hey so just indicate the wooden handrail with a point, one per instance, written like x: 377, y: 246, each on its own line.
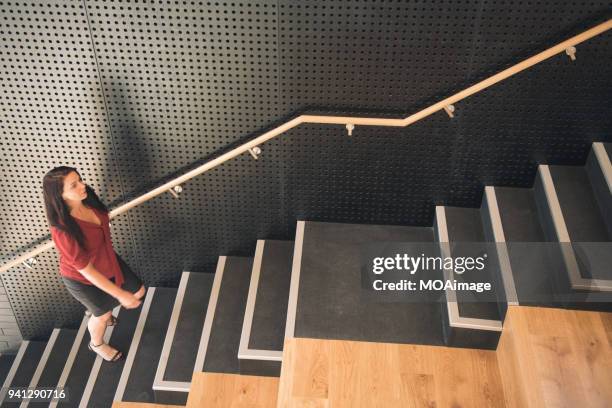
x: 340, y: 120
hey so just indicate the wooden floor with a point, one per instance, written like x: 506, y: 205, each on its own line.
x: 212, y: 390
x: 556, y: 358
x: 331, y: 373
x: 545, y: 358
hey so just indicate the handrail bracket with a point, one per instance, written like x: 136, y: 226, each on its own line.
x: 255, y: 152
x: 450, y: 110
x: 176, y: 190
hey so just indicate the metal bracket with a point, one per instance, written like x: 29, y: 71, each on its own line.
x: 175, y: 191
x: 571, y: 51
x: 255, y: 152
x: 30, y: 262
x: 450, y: 109
x: 350, y: 127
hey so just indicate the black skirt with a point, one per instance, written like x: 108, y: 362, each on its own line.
x: 96, y: 300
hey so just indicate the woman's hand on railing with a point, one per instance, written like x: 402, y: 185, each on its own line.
x: 128, y: 300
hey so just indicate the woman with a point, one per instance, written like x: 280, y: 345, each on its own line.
x: 90, y: 268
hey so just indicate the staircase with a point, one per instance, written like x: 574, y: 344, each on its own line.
x: 236, y: 321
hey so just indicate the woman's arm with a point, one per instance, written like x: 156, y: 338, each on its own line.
x: 91, y: 274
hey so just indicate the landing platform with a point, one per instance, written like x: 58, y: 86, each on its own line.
x: 331, y: 302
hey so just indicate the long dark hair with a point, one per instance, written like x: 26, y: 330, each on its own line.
x: 58, y: 212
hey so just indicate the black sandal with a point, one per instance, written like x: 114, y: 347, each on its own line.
x: 112, y: 321
x: 116, y: 357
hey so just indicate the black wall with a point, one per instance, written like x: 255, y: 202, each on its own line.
x: 131, y: 92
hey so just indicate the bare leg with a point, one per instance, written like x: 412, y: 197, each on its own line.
x: 97, y: 327
x: 140, y: 293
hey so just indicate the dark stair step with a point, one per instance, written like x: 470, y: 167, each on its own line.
x: 466, y: 234
x: 537, y: 263
x: 539, y: 276
x: 581, y: 213
x: 221, y: 334
x: 77, y: 368
x: 579, y: 227
x: 52, y: 364
x: 332, y: 294
x: 263, y: 330
x: 599, y: 171
x: 22, y: 369
x: 136, y: 383
x: 6, y: 361
x: 477, y: 320
x: 182, y: 339
x: 104, y: 376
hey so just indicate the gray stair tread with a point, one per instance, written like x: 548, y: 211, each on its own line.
x: 55, y: 362
x: 329, y: 303
x: 110, y: 373
x: 139, y: 387
x: 465, y: 232
x: 184, y: 350
x: 580, y: 210
x: 519, y: 214
x: 270, y: 312
x: 601, y: 191
x: 522, y: 225
x: 584, y: 220
x: 79, y: 373
x: 6, y: 361
x: 27, y: 367
x: 222, y: 350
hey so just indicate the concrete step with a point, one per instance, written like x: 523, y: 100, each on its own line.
x: 573, y: 219
x: 220, y: 340
x: 538, y: 276
x: 599, y: 171
x: 104, y: 376
x: 6, y: 361
x: 328, y: 298
x: 263, y: 329
x: 52, y: 362
x: 22, y: 370
x: 473, y: 319
x: 77, y: 368
x: 136, y: 381
x: 182, y: 340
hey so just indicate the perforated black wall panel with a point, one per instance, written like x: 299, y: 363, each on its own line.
x: 130, y: 92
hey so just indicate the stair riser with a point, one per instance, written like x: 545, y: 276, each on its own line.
x: 260, y: 367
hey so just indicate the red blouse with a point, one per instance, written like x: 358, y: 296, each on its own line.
x: 99, y: 251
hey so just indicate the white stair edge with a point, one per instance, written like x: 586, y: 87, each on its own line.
x: 159, y: 383
x: 262, y: 355
x: 295, y: 280
x: 249, y: 310
x: 569, y: 258
x: 93, y: 376
x: 210, y: 315
x: 14, y: 367
x: 129, y: 362
x: 454, y: 319
x: 244, y: 352
x: 501, y: 247
x: 71, y: 356
x: 604, y: 162
x: 42, y: 363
